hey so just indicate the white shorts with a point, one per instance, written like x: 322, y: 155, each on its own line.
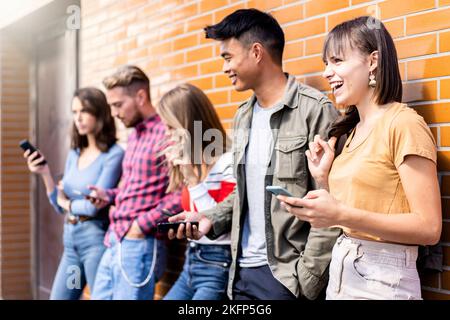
x: 362, y: 269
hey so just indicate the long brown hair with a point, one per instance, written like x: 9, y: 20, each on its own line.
x: 94, y: 102
x: 366, y: 34
x: 180, y: 108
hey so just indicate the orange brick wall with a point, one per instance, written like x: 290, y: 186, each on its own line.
x: 165, y: 38
x: 15, y: 230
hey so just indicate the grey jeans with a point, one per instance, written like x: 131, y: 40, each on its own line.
x: 362, y: 269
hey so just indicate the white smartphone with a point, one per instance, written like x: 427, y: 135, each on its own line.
x: 87, y: 196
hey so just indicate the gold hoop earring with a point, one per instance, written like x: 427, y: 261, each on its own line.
x: 372, y: 81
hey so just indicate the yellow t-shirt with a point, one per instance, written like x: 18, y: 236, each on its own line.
x: 366, y: 176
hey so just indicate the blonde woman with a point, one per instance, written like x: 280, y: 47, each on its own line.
x: 203, y: 169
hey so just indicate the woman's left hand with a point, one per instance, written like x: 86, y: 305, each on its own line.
x: 318, y: 207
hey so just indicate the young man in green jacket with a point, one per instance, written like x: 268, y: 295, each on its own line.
x: 275, y: 255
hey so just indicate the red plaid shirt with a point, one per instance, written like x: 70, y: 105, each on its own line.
x: 141, y: 193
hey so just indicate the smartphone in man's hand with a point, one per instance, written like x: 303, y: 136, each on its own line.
x: 164, y: 227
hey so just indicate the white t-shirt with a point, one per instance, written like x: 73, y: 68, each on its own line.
x: 257, y: 157
x: 220, y: 174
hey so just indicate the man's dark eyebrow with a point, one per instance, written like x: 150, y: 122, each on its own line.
x: 224, y: 54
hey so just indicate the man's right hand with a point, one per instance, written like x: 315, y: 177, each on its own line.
x: 190, y: 232
x: 98, y: 197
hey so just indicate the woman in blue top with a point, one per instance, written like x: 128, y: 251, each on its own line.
x: 94, y: 159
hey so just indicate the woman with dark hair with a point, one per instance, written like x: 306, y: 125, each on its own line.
x: 203, y: 170
x: 382, y: 189
x: 94, y: 159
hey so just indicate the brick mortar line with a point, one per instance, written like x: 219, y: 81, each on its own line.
x: 327, y: 14
x: 421, y: 103
x: 441, y: 8
x: 417, y: 35
x: 135, y: 9
x: 427, y: 56
x: 170, y: 40
x: 315, y: 55
x: 148, y: 31
x: 427, y: 79
x: 170, y: 55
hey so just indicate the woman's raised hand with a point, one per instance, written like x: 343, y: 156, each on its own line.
x: 320, y: 157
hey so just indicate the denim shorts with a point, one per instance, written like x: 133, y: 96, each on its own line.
x: 363, y: 269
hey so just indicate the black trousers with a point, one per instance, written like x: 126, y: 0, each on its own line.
x: 258, y: 283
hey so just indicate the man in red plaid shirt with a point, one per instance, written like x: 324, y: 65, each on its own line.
x: 134, y: 258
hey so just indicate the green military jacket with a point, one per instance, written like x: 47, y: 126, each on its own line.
x: 298, y: 255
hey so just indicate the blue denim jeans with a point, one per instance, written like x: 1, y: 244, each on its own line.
x: 204, y: 275
x: 83, y: 250
x: 127, y: 271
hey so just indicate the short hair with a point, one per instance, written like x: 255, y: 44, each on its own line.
x: 250, y: 26
x: 131, y: 78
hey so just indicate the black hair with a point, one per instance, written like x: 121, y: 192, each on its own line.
x: 250, y: 26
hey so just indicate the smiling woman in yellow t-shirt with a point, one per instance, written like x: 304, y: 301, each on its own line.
x: 382, y: 189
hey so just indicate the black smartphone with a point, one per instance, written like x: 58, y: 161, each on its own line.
x: 164, y: 227
x: 26, y: 145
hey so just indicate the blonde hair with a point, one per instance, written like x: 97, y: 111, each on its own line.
x: 180, y: 108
